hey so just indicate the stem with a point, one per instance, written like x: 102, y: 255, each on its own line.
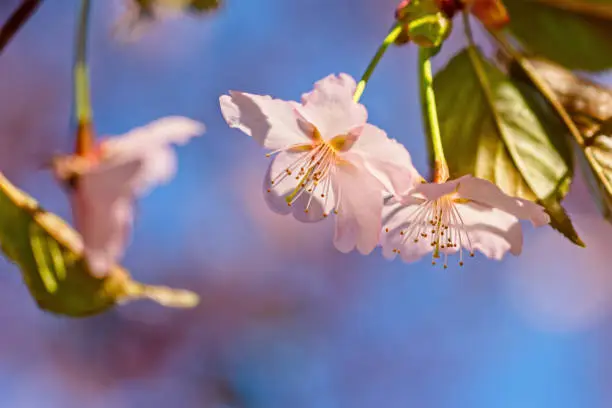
x: 391, y: 37
x: 430, y: 116
x: 17, y: 20
x: 82, y: 99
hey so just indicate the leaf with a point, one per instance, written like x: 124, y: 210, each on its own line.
x: 492, y: 131
x: 589, y: 107
x: 561, y: 220
x: 49, y: 255
x: 574, y: 33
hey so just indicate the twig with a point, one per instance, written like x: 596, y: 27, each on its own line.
x: 17, y: 20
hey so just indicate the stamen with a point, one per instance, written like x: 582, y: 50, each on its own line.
x: 440, y: 222
x: 313, y: 171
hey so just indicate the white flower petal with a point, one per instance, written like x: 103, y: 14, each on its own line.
x: 151, y: 144
x: 160, y: 133
x: 103, y: 212
x: 491, y: 231
x: 276, y: 194
x: 386, y: 159
x: 358, y: 221
x: 397, y: 217
x: 434, y: 191
x: 273, y: 123
x: 488, y: 194
x: 331, y: 108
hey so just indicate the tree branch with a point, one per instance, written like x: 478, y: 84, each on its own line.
x: 17, y: 20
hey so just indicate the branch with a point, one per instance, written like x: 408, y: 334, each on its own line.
x: 17, y: 20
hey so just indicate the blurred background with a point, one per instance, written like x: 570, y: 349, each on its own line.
x: 285, y: 320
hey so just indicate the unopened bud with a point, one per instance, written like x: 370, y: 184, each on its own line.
x: 430, y: 30
x: 450, y: 7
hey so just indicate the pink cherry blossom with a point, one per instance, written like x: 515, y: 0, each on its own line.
x: 327, y: 158
x: 107, y: 182
x: 138, y: 17
x: 462, y: 215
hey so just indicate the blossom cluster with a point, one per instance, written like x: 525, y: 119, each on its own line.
x: 327, y: 161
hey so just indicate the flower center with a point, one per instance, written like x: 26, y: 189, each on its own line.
x: 440, y: 224
x: 312, y: 169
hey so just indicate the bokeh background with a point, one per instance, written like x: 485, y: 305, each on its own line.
x: 285, y: 320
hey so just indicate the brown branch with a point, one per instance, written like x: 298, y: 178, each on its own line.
x: 17, y: 20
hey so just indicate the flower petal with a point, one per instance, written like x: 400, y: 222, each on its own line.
x: 387, y: 159
x: 160, y: 133
x: 103, y: 212
x: 273, y: 123
x: 331, y: 108
x: 434, y: 191
x: 151, y: 145
x: 396, y: 218
x: 276, y: 194
x: 487, y: 193
x: 358, y: 221
x: 491, y: 231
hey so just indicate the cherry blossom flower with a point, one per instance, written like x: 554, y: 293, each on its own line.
x: 327, y: 158
x: 106, y: 182
x: 462, y: 215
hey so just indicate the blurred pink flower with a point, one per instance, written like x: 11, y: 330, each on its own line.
x: 327, y: 158
x: 139, y: 15
x: 107, y: 182
x: 467, y: 213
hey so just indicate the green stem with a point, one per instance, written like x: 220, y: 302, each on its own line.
x: 82, y: 99
x: 391, y: 37
x: 81, y: 75
x: 430, y: 115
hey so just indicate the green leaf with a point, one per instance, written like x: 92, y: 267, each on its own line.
x: 588, y: 106
x: 574, y: 33
x: 494, y: 128
x: 560, y: 220
x: 49, y: 255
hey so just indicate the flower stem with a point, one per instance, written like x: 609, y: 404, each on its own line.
x: 17, y: 20
x: 82, y: 99
x: 391, y: 37
x: 430, y: 116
